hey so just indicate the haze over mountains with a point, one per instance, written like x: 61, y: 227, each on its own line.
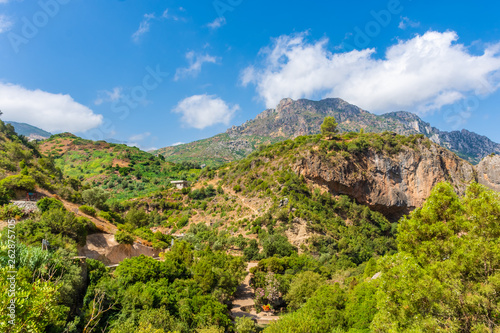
x: 303, y: 117
x: 29, y: 131
x: 293, y: 118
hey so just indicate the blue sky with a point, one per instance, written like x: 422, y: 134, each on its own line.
x: 156, y: 73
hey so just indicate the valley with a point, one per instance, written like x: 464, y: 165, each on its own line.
x: 284, y: 235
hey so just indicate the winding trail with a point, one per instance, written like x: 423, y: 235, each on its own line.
x: 244, y: 298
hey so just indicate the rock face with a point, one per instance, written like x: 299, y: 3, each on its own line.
x: 293, y: 118
x: 488, y: 172
x: 105, y: 248
x: 391, y: 184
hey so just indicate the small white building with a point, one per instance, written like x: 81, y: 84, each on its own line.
x: 180, y: 184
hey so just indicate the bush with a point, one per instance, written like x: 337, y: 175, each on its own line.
x: 47, y: 204
x: 277, y: 245
x: 302, y: 288
x: 10, y: 211
x: 137, y: 217
x: 88, y: 210
x: 5, y: 195
x: 111, y: 217
x: 245, y: 325
x: 124, y: 237
x: 252, y: 251
x: 96, y: 197
x: 18, y: 182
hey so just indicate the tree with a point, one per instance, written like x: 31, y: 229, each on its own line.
x: 329, y: 127
x: 96, y: 197
x: 302, y: 288
x: 446, y: 276
x: 123, y: 237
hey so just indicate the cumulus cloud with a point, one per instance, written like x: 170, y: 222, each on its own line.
x: 406, y: 22
x: 196, y: 61
x: 51, y: 112
x: 139, y: 137
x: 109, y: 96
x: 423, y: 73
x: 217, y: 23
x: 169, y: 16
x: 200, y: 111
x: 5, y: 23
x: 143, y: 27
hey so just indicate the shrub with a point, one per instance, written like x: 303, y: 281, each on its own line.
x: 88, y: 210
x: 96, y: 197
x: 124, y: 237
x: 47, y: 204
x: 111, y: 216
x: 183, y: 221
x: 302, y: 288
x: 137, y: 217
x: 277, y: 245
x: 245, y: 325
x: 5, y: 195
x: 18, y: 182
x: 10, y: 211
x: 252, y: 251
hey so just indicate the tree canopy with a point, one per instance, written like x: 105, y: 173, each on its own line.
x: 329, y: 127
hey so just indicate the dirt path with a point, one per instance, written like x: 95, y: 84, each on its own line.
x: 101, y: 224
x: 244, y: 298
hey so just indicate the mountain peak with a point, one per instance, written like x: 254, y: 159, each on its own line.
x: 293, y: 118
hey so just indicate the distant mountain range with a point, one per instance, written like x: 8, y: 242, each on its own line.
x: 304, y: 117
x: 29, y: 131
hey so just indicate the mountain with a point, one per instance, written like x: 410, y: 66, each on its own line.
x: 291, y: 119
x: 29, y: 131
x: 125, y: 172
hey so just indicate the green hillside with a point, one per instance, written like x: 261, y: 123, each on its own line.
x: 29, y: 130
x: 124, y: 172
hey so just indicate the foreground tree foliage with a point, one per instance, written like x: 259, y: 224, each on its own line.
x: 444, y: 278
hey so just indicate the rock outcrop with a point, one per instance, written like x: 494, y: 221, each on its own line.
x: 105, y: 248
x: 488, y: 172
x: 391, y: 184
x: 292, y: 118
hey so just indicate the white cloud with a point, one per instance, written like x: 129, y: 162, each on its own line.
x: 5, y: 23
x: 176, y: 144
x: 202, y: 111
x: 406, y: 22
x: 168, y: 16
x: 420, y: 74
x: 143, y: 27
x: 139, y: 137
x: 109, y: 96
x: 217, y: 23
x: 196, y: 61
x: 4, y: 1
x: 51, y: 112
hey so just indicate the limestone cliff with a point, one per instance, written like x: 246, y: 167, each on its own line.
x: 293, y: 118
x: 488, y: 172
x: 391, y: 184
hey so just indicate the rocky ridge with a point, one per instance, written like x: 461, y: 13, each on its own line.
x: 293, y: 118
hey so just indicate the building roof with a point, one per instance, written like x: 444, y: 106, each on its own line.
x: 178, y: 181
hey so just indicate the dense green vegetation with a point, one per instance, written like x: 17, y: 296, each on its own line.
x: 351, y: 269
x: 22, y: 168
x: 444, y: 277
x: 124, y: 172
